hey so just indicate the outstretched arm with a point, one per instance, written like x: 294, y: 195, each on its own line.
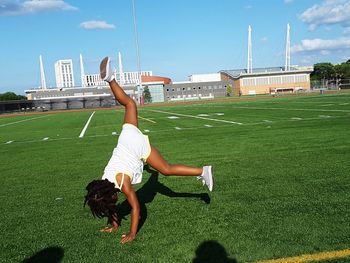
x: 129, y: 104
x: 135, y: 212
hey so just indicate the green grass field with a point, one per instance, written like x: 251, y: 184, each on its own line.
x: 282, y: 183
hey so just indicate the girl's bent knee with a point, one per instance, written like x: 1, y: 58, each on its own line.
x: 167, y: 170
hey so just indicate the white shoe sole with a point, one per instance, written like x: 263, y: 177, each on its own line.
x: 211, y: 178
x: 104, y: 67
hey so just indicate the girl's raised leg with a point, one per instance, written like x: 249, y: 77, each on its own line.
x: 129, y: 104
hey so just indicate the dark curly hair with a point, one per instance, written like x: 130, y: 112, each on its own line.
x: 101, y: 198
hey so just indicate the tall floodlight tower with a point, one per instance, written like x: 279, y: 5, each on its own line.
x: 287, y: 64
x: 121, y: 73
x: 250, y: 56
x: 42, y: 74
x: 82, y: 72
x: 139, y: 87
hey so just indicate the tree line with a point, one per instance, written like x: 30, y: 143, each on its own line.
x: 11, y: 96
x: 330, y: 72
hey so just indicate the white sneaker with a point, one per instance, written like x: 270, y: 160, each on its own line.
x: 207, y: 177
x: 106, y: 72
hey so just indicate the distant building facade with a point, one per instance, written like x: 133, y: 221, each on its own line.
x: 182, y: 91
x: 128, y: 78
x: 64, y: 73
x: 269, y: 80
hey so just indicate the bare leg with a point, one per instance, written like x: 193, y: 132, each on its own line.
x: 129, y: 104
x: 157, y: 161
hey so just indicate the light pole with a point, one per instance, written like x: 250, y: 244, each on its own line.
x: 139, y: 87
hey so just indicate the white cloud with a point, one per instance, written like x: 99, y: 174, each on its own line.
x: 264, y: 39
x: 329, y: 12
x: 14, y: 8
x: 96, y: 25
x: 321, y: 45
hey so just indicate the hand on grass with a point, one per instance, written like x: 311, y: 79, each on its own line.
x: 109, y: 229
x: 127, y: 238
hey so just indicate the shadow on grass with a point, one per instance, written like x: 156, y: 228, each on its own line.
x: 147, y: 193
x: 47, y: 255
x: 212, y: 252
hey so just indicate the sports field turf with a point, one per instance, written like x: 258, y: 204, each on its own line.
x: 282, y: 183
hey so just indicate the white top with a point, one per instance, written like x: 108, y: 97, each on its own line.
x: 132, y: 150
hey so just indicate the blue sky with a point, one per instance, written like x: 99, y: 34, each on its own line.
x: 176, y: 38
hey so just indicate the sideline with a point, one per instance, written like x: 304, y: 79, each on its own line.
x: 311, y: 257
x: 15, y: 122
x: 142, y: 118
x: 286, y: 109
x: 86, y: 126
x: 196, y: 117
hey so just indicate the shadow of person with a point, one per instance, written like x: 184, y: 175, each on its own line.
x: 212, y: 252
x: 147, y: 193
x: 47, y: 255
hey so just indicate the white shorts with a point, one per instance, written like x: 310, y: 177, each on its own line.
x: 132, y: 150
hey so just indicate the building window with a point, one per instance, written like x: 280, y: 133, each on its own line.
x: 167, y: 90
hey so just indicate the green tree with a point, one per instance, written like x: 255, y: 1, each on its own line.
x: 147, y: 95
x: 228, y: 90
x: 11, y: 96
x: 323, y: 71
x: 345, y: 69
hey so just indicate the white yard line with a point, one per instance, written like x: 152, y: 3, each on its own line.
x: 86, y: 126
x: 196, y: 117
x: 287, y: 109
x: 7, y: 124
x: 142, y: 118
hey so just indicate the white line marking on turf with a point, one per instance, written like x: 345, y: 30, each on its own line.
x: 114, y: 133
x: 324, y: 116
x: 207, y: 125
x: 173, y: 117
x: 146, y: 130
x: 196, y: 117
x: 287, y: 109
x: 9, y: 142
x: 142, y: 118
x: 296, y: 118
x: 203, y: 115
x: 183, y: 129
x: 342, y: 104
x: 86, y: 125
x: 220, y: 114
x: 177, y: 128
x: 6, y: 124
x: 45, y: 139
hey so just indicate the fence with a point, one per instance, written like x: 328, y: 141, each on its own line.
x: 56, y: 104
x: 330, y: 84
